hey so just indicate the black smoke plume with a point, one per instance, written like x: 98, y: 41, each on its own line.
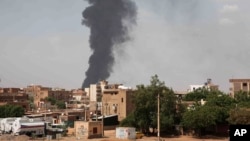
x: 109, y: 22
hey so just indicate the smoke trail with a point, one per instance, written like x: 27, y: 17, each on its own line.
x: 105, y: 18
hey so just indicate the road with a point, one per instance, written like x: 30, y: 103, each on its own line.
x: 109, y: 136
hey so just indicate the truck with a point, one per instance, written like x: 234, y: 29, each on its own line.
x: 28, y: 126
x: 0, y: 126
x: 6, y: 125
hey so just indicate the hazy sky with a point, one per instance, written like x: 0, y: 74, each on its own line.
x: 184, y: 42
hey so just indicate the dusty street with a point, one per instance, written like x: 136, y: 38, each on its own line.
x: 109, y: 136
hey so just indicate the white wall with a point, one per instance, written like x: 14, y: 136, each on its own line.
x: 92, y: 94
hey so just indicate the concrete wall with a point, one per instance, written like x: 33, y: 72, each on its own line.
x: 125, y: 133
x: 86, y: 130
x: 117, y: 101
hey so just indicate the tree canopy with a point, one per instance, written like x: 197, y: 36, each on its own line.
x: 243, y: 99
x: 215, y: 111
x: 196, y: 95
x: 145, y: 112
x: 219, y: 108
x: 58, y: 103
x: 11, y: 111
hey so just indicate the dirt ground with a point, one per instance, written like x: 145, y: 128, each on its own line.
x: 109, y: 136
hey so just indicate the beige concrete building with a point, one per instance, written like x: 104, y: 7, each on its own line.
x: 95, y: 96
x: 95, y: 91
x: 237, y: 85
x: 62, y: 95
x: 37, y: 92
x: 117, y: 99
x: 79, y: 99
x: 19, y: 99
x: 79, y: 95
x: 10, y: 90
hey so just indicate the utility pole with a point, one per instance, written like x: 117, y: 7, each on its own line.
x: 85, y: 113
x: 102, y: 120
x: 96, y: 110
x: 158, y: 116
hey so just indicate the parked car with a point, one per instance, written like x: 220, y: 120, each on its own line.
x: 139, y: 135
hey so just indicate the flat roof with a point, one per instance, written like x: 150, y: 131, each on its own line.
x: 239, y: 80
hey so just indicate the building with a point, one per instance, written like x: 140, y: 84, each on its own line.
x: 207, y: 85
x: 180, y: 94
x: 38, y: 93
x: 10, y: 90
x: 94, y: 94
x: 19, y: 99
x: 79, y: 100
x: 61, y: 95
x: 95, y: 91
x: 87, y: 130
x: 80, y: 96
x: 237, y: 85
x: 117, y: 100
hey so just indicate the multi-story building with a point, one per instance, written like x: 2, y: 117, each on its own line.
x: 61, y: 95
x: 94, y: 92
x: 78, y: 94
x: 81, y: 96
x: 110, y: 99
x: 38, y: 93
x: 117, y: 100
x: 15, y: 98
x: 239, y: 85
x: 10, y: 90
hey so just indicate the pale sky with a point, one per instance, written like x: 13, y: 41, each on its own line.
x: 184, y: 42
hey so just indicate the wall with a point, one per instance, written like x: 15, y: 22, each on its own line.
x: 117, y: 101
x: 125, y: 133
x: 86, y: 130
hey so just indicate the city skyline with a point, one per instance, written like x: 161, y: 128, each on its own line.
x: 43, y: 42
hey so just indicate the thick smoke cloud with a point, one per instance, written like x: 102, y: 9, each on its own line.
x: 187, y: 42
x: 106, y: 20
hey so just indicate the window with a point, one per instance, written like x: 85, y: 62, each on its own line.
x: 122, y: 99
x: 95, y: 130
x: 244, y: 84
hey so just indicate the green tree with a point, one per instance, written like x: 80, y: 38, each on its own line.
x: 31, y: 102
x: 145, y: 100
x: 197, y: 95
x: 51, y: 100
x: 60, y: 105
x: 243, y: 99
x: 11, y: 111
x: 242, y: 96
x: 215, y: 111
x: 129, y: 121
x: 199, y: 118
x: 223, y: 103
